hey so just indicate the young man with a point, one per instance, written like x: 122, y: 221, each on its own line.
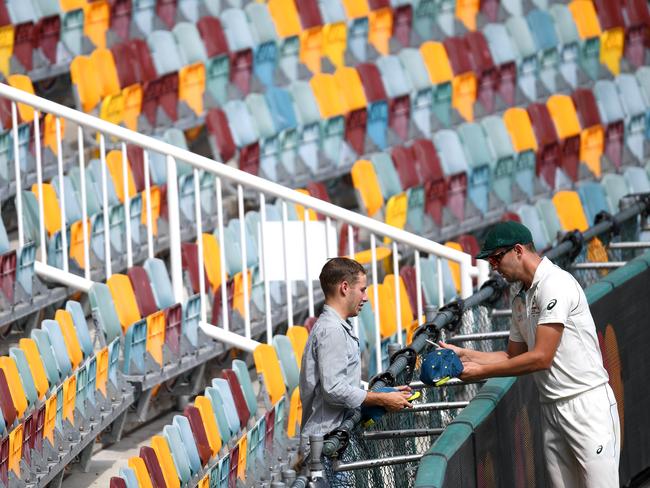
x: 330, y: 375
x: 553, y: 336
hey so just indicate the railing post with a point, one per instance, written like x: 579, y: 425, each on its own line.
x: 466, y: 287
x: 174, y: 230
x: 39, y: 182
x: 19, y: 186
x: 199, y: 243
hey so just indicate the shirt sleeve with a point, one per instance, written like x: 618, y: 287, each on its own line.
x: 515, y: 332
x: 556, y: 298
x: 333, y: 370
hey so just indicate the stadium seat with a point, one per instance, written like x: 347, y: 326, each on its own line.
x: 407, y: 317
x: 637, y: 179
x: 36, y: 367
x: 479, y: 164
x: 616, y: 188
x: 199, y: 430
x: 504, y: 54
x: 398, y: 87
x: 221, y: 417
x: 375, y: 92
x: 594, y: 200
x: 530, y: 218
x: 592, y: 134
x: 567, y: 127
x: 588, y: 25
x: 153, y: 466
x: 520, y: 128
x: 288, y: 363
x: 636, y: 111
x: 25, y: 375
x: 548, y: 149
x: 217, y: 66
x: 222, y: 387
x: 238, y: 397
x: 454, y: 165
x: 544, y: 32
x: 240, y: 42
x: 570, y: 211
x: 53, y: 330
x: 366, y: 184
x: 527, y: 62
x: 612, y: 116
x: 67, y: 326
x: 386, y: 174
x: 268, y: 367
x: 332, y: 107
x: 241, y: 370
x: 612, y: 37
x: 501, y: 156
x: 19, y: 400
x: 440, y: 72
x: 209, y: 422
x: 185, y: 431
x: 386, y: 306
x: 464, y: 82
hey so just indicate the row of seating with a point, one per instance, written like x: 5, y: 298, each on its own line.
x: 54, y: 387
x: 505, y: 156
x: 224, y: 435
x: 193, y: 61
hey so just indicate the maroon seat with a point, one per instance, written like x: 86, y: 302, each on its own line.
x: 150, y: 459
x: 355, y: 129
x: 234, y: 466
x: 166, y: 10
x: 309, y: 14
x: 198, y: 431
x: 190, y: 262
x: 403, y: 162
x: 637, y: 30
x: 548, y: 149
x: 487, y: 73
x: 144, y: 61
x: 470, y: 245
x: 4, y: 15
x: 610, y: 14
x: 490, y: 8
x: 214, y: 39
x: 510, y: 216
x: 318, y: 190
x: 407, y: 273
x: 173, y: 327
x: 24, y: 44
x: 373, y: 86
x: 241, y: 67
x: 377, y: 4
x: 426, y: 161
x: 403, y: 24
x: 117, y: 482
x: 143, y: 292
x: 238, y: 396
x: 121, y: 11
x: 344, y: 248
x: 8, y: 274
x: 216, y: 301
x: 219, y: 130
x: 4, y: 460
x: 6, y: 403
x: 269, y: 419
x: 570, y: 156
x: 310, y: 322
x: 29, y: 425
x: 435, y: 199
x: 36, y: 440
x: 456, y: 194
x: 399, y: 115
x: 169, y: 95
x: 135, y: 155
x: 249, y: 158
x: 126, y: 64
x: 46, y: 35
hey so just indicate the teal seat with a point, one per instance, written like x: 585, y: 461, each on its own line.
x: 72, y: 27
x: 616, y: 188
x: 143, y: 15
x: 637, y: 179
x: 31, y: 219
x: 241, y: 370
x: 531, y: 219
x: 479, y: 164
x: 549, y: 218
x: 268, y: 136
x: 422, y: 96
x: 161, y: 284
x: 424, y: 18
x: 368, y: 323
x: 265, y: 56
x: 502, y: 157
x: 387, y: 174
x: 135, y: 348
x: 179, y: 454
x: 635, y: 109
x: 309, y: 118
x: 232, y: 236
x: 288, y: 361
x: 81, y: 379
x: 191, y: 318
x: 190, y: 9
x: 527, y: 62
x: 593, y: 198
x: 569, y: 40
x: 101, y: 302
x: 430, y: 285
x: 165, y: 53
x: 26, y: 379
x: 544, y: 33
x: 91, y: 388
x: 219, y: 412
x: 415, y: 216
x: 129, y: 477
x: 53, y: 330
x: 72, y: 207
x: 21, y: 12
x: 501, y: 47
x: 4, y: 238
x: 47, y: 355
x: 454, y: 164
x: 183, y: 425
x: 237, y: 29
x: 513, y: 7
x: 81, y: 326
x: 643, y: 78
x: 285, y: 121
x: 189, y: 42
x: 113, y: 359
x: 229, y: 405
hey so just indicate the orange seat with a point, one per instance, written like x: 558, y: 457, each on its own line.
x: 124, y: 300
x: 380, y: 29
x: 115, y: 165
x: 191, y: 86
x: 24, y: 83
x: 97, y: 16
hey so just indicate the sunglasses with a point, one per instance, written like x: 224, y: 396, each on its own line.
x: 495, y: 259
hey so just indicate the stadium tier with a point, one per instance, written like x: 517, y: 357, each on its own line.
x: 174, y: 174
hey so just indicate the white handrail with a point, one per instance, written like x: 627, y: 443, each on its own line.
x: 250, y: 181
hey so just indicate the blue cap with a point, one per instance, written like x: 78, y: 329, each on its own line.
x: 370, y: 415
x: 440, y: 365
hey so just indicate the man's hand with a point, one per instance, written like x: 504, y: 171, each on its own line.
x: 406, y: 388
x: 460, y: 352
x: 471, y: 372
x: 396, y: 400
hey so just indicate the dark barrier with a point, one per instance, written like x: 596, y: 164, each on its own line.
x: 496, y: 440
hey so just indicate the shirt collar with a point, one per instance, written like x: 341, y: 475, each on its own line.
x: 542, y: 270
x: 330, y: 310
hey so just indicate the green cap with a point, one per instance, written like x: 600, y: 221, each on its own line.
x: 504, y: 234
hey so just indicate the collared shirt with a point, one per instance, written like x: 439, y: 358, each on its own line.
x: 330, y: 375
x: 555, y: 297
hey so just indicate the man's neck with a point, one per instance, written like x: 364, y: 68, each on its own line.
x: 530, y: 268
x: 338, y: 308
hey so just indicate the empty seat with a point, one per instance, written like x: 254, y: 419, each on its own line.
x: 268, y: 367
x: 501, y: 155
x: 612, y: 115
x: 504, y: 53
x: 454, y: 164
x: 567, y: 126
x: 288, y: 362
x: 377, y: 103
x: 570, y: 211
x: 592, y: 133
x: 594, y: 200
x: 464, y: 80
x: 520, y: 128
x: 398, y: 88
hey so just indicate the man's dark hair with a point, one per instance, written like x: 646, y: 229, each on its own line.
x: 338, y: 270
x: 530, y: 246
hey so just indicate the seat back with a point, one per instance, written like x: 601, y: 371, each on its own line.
x: 25, y: 374
x: 18, y: 397
x: 101, y: 302
x: 530, y: 218
x: 229, y: 404
x: 594, y: 200
x: 179, y: 454
x: 298, y: 336
x: 36, y: 367
x: 268, y: 366
x: 53, y: 330
x: 163, y: 454
x: 366, y: 183
x: 67, y: 326
x: 185, y: 431
x: 80, y: 326
x: 241, y: 370
x: 124, y: 300
x: 160, y: 283
x: 570, y: 211
x: 208, y: 420
x: 288, y: 362
x: 199, y: 430
x: 135, y: 348
x: 165, y: 53
x: 142, y: 288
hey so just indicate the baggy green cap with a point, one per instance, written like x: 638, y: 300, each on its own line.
x: 504, y: 234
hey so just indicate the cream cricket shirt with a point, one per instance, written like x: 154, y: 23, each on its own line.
x: 556, y: 297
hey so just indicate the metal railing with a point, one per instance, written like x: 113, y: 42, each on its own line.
x: 228, y: 182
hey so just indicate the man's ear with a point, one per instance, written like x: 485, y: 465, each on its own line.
x: 344, y: 287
